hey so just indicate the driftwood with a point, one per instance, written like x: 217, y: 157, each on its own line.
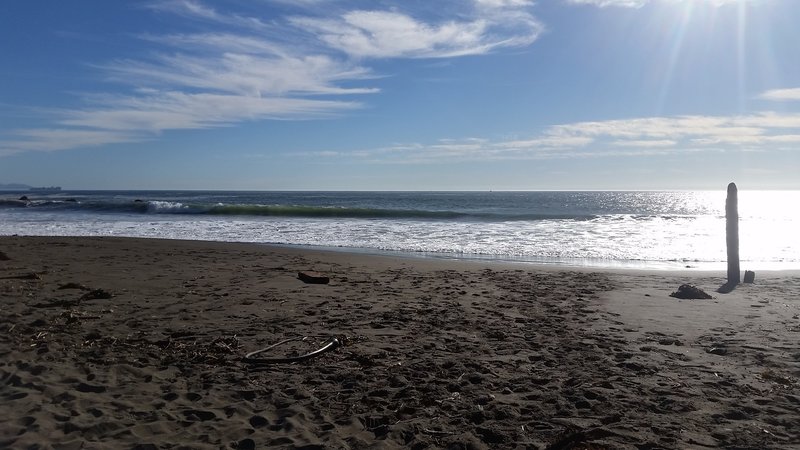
x: 331, y: 344
x: 732, y: 234
x: 313, y: 277
x: 749, y: 276
x: 27, y: 276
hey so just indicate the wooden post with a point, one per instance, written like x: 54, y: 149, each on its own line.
x: 732, y: 234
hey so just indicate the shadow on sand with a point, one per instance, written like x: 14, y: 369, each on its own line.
x: 727, y: 287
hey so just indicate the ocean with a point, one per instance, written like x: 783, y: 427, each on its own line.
x: 649, y: 230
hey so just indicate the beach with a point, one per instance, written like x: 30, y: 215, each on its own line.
x: 139, y: 343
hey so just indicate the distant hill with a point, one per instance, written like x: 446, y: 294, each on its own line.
x: 14, y: 187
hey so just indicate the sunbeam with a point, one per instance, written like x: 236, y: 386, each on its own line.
x: 676, y: 37
x: 741, y: 55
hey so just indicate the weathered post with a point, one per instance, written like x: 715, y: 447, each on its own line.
x: 732, y: 234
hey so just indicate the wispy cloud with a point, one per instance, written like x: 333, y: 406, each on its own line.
x: 611, y: 138
x: 255, y: 75
x: 641, y: 3
x: 179, y: 110
x: 246, y: 68
x: 606, y: 3
x: 196, y: 10
x: 47, y: 139
x: 143, y: 117
x: 646, y: 143
x: 391, y: 34
x: 503, y: 3
x: 792, y: 94
x: 752, y: 132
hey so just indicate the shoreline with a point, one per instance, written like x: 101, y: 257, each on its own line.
x: 124, y: 342
x: 581, y: 264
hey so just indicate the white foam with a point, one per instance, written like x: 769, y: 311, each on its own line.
x: 164, y: 207
x: 678, y: 239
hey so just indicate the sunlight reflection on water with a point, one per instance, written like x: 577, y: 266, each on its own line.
x: 667, y: 229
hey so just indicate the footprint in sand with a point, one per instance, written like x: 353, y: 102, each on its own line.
x: 83, y: 387
x: 258, y: 421
x: 246, y: 444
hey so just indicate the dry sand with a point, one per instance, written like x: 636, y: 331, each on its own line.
x: 129, y: 343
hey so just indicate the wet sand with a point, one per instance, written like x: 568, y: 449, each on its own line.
x: 132, y: 343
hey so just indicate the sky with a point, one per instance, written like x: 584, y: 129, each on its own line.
x: 402, y: 95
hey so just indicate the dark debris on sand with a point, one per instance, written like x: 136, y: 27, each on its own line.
x: 690, y: 292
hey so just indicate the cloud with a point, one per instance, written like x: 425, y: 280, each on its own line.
x: 196, y: 10
x: 606, y: 3
x: 503, y: 3
x: 769, y: 120
x: 121, y: 119
x: 662, y: 127
x: 635, y: 137
x: 256, y: 75
x: 646, y: 143
x: 754, y: 130
x: 302, y: 3
x: 792, y: 94
x: 51, y: 139
x: 641, y: 3
x: 244, y: 68
x: 178, y: 110
x: 392, y: 34
x: 761, y: 130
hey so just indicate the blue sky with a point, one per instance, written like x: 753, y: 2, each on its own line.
x: 404, y: 95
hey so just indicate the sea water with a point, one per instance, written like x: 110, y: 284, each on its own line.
x: 604, y: 229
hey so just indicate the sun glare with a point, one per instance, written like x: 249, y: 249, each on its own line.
x: 682, y: 22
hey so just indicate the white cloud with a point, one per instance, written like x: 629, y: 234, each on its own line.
x: 769, y: 120
x: 391, y: 34
x: 197, y: 10
x: 302, y: 2
x: 646, y: 143
x: 218, y: 41
x: 243, y: 68
x: 51, y: 139
x: 762, y: 130
x: 503, y: 3
x: 256, y: 75
x: 606, y: 3
x: 663, y: 127
x: 784, y: 139
x: 635, y: 137
x: 781, y: 94
x: 379, y: 34
x: 135, y: 119
x: 640, y: 3
x: 549, y: 142
x: 178, y: 110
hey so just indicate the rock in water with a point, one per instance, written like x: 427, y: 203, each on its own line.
x: 690, y: 291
